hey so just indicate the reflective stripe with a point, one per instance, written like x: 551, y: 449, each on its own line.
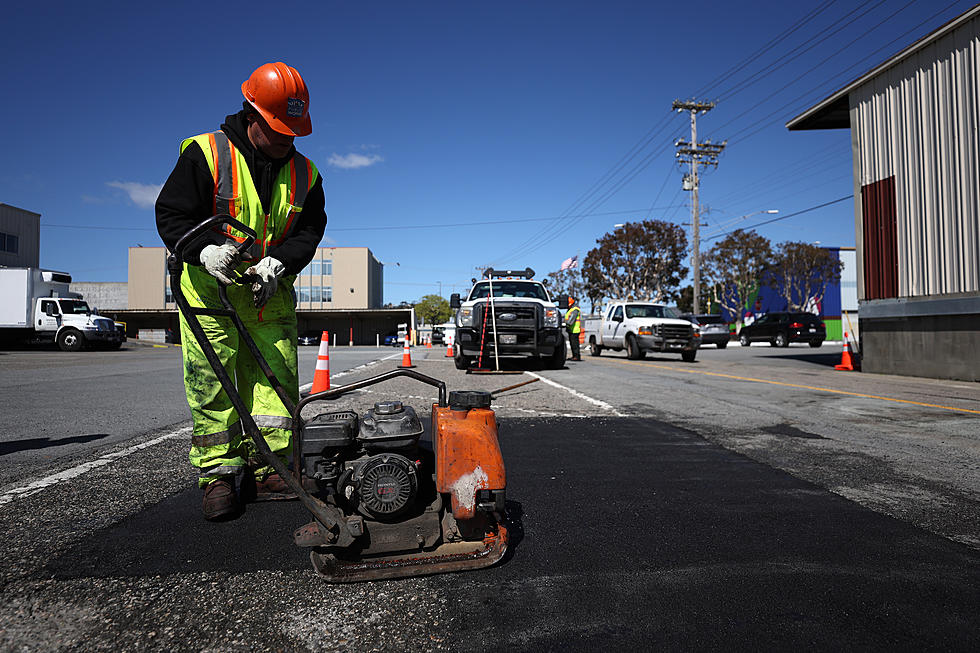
x: 323, y: 364
x: 224, y: 166
x: 273, y: 422
x: 299, y: 176
x: 220, y: 470
x: 219, y: 437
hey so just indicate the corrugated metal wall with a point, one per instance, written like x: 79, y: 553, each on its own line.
x: 918, y: 122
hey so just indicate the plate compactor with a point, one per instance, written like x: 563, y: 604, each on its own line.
x: 385, y: 502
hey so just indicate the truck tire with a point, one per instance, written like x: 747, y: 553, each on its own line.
x: 594, y: 349
x: 780, y: 340
x: 633, y: 351
x: 689, y: 356
x: 557, y: 360
x: 70, y: 340
x: 744, y: 341
x: 462, y: 362
x: 722, y: 345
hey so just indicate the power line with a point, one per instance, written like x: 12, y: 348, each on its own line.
x: 790, y: 215
x: 765, y: 48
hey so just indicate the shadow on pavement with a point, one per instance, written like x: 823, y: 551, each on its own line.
x: 13, y: 446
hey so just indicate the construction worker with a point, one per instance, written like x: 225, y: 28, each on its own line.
x: 573, y: 324
x: 250, y: 170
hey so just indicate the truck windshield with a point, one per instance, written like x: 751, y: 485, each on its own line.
x: 645, y: 310
x: 509, y: 289
x: 74, y: 307
x: 635, y: 310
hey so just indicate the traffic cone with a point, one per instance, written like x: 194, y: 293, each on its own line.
x: 845, y: 360
x: 321, y: 377
x: 449, y: 346
x: 406, y: 355
x: 428, y: 343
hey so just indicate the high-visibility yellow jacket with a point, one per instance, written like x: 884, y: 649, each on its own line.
x: 573, y: 319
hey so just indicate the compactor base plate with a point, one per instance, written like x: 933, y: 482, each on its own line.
x: 446, y: 558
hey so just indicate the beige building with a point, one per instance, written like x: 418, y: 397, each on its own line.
x: 337, y: 278
x: 340, y: 291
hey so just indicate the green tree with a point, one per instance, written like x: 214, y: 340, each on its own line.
x: 639, y: 260
x: 685, y: 299
x: 735, y: 267
x: 801, y: 271
x: 433, y: 309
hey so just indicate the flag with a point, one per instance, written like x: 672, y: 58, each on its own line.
x: 570, y: 263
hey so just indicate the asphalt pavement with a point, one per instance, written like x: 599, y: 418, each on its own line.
x: 639, y: 522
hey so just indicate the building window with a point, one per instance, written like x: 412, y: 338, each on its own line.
x: 315, y: 267
x: 317, y: 294
x: 168, y: 295
x: 8, y: 243
x: 328, y: 267
x: 328, y: 293
x: 304, y: 294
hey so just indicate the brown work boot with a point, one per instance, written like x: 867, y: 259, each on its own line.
x: 273, y: 488
x: 220, y: 501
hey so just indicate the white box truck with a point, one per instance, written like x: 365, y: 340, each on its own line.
x: 36, y: 306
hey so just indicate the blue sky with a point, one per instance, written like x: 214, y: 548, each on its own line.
x: 451, y: 135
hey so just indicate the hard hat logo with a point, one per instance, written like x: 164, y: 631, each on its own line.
x: 295, y: 107
x: 279, y: 94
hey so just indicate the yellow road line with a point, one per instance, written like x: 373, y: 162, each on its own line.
x: 796, y: 385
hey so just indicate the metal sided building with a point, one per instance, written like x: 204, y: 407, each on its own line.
x: 913, y: 122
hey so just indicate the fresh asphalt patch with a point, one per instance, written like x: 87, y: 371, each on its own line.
x: 629, y: 533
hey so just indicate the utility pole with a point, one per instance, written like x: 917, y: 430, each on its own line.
x: 696, y: 154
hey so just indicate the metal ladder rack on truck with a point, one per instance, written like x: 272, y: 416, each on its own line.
x: 36, y: 306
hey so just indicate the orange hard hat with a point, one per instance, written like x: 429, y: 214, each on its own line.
x: 280, y: 95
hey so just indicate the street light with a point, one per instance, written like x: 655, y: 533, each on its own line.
x: 722, y: 229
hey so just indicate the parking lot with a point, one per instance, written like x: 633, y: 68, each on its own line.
x: 754, y: 498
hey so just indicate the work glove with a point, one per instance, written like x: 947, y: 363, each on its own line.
x: 266, y: 275
x: 220, y: 262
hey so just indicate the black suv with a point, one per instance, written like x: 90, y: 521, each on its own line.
x: 780, y: 329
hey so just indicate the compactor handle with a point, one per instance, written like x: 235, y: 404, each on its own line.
x: 215, y: 221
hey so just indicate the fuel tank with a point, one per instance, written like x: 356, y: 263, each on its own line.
x: 469, y: 466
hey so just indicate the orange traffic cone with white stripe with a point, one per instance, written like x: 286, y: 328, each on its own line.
x: 428, y: 343
x: 449, y: 346
x: 406, y: 355
x: 846, y: 364
x: 321, y: 376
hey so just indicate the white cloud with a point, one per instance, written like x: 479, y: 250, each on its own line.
x: 353, y: 161
x: 142, y: 195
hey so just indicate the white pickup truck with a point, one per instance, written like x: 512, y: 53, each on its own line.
x: 639, y: 327
x: 36, y: 306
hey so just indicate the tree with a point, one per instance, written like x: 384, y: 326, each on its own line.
x: 801, y: 271
x: 433, y: 309
x: 685, y: 299
x: 562, y: 283
x: 735, y: 266
x: 639, y: 260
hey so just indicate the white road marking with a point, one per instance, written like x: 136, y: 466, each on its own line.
x: 595, y: 402
x: 74, y: 472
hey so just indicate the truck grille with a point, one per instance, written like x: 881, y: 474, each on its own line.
x: 673, y: 331
x: 509, y: 316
